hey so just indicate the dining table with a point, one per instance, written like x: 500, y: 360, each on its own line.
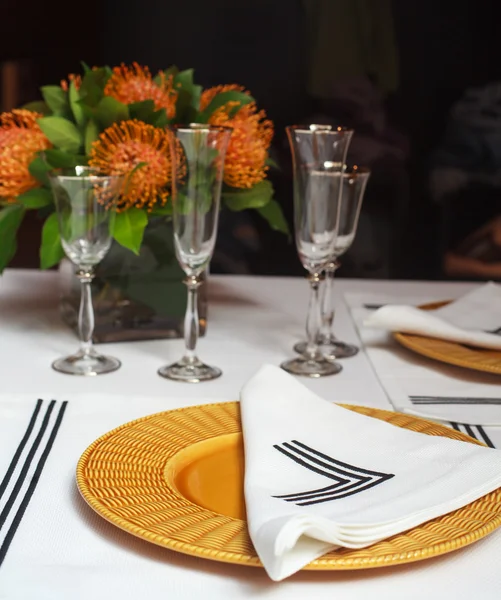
x: 53, y: 546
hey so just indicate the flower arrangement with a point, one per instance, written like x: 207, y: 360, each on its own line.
x: 116, y: 119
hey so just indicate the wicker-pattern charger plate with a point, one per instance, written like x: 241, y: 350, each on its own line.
x: 451, y: 353
x: 176, y: 479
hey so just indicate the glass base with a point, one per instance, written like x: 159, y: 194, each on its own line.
x: 190, y: 371
x: 307, y: 367
x: 331, y: 350
x: 87, y: 364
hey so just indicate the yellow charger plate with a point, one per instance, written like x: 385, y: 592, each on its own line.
x: 176, y: 479
x: 451, y: 353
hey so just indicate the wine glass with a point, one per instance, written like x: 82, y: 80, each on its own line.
x: 353, y: 190
x: 318, y: 158
x: 198, y: 161
x: 84, y: 205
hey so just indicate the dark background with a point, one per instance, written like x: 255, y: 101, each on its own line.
x: 442, y: 47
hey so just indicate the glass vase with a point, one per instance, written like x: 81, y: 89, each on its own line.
x: 135, y: 297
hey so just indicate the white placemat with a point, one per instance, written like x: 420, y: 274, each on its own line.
x: 407, y: 376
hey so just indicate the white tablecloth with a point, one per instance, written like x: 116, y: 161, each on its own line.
x: 251, y: 321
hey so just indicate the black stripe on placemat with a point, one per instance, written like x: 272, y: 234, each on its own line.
x: 484, y: 435
x: 470, y: 431
x: 34, y: 481
x: 455, y: 426
x: 20, y: 448
x: 26, y: 466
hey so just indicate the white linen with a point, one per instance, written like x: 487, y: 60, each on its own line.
x: 465, y: 320
x: 319, y: 476
x: 63, y: 550
x: 405, y: 374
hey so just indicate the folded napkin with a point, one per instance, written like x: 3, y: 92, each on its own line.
x: 417, y: 385
x: 318, y: 476
x: 466, y: 320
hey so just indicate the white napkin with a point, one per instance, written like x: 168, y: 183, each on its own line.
x: 454, y: 394
x: 318, y: 476
x: 465, y: 320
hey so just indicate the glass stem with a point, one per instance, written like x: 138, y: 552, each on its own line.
x: 191, y: 324
x: 86, y: 312
x: 326, y: 333
x: 313, y: 320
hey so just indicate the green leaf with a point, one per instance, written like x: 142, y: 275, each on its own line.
x: 184, y: 78
x: 160, y: 119
x: 88, y: 111
x: 188, y: 98
x: 59, y: 159
x: 62, y: 133
x: 85, y: 67
x: 76, y: 107
x: 271, y: 163
x: 91, y: 135
x: 35, y: 198
x: 222, y: 99
x: 111, y: 111
x: 167, y: 73
x: 10, y: 219
x: 56, y: 99
x: 255, y: 197
x: 187, y: 104
x: 129, y: 228
x: 93, y: 84
x: 272, y: 213
x: 143, y: 111
x: 38, y: 106
x: 51, y: 251
x: 39, y: 169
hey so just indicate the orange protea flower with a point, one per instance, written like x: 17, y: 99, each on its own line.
x: 135, y: 84
x: 20, y: 140
x: 209, y: 94
x: 123, y: 146
x: 250, y: 140
x: 77, y: 80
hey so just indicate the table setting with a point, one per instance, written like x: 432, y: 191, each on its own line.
x: 360, y: 460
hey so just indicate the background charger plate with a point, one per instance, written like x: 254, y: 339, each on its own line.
x: 451, y: 353
x: 176, y: 479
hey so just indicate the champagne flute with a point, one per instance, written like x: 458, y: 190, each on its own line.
x: 198, y: 155
x: 353, y: 190
x: 84, y: 205
x: 318, y: 157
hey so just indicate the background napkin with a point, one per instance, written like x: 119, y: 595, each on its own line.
x: 404, y: 374
x: 388, y: 479
x: 466, y: 320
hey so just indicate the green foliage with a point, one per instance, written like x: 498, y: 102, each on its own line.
x: 57, y: 100
x: 110, y: 111
x: 255, y: 197
x: 51, y: 251
x: 35, y: 198
x: 39, y: 168
x: 222, y: 99
x: 62, y: 133
x: 128, y: 228
x: 75, y: 105
x: 188, y: 98
x: 91, y: 135
x: 142, y: 111
x: 38, y: 106
x: 64, y: 160
x: 272, y: 213
x: 72, y: 121
x: 11, y: 217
